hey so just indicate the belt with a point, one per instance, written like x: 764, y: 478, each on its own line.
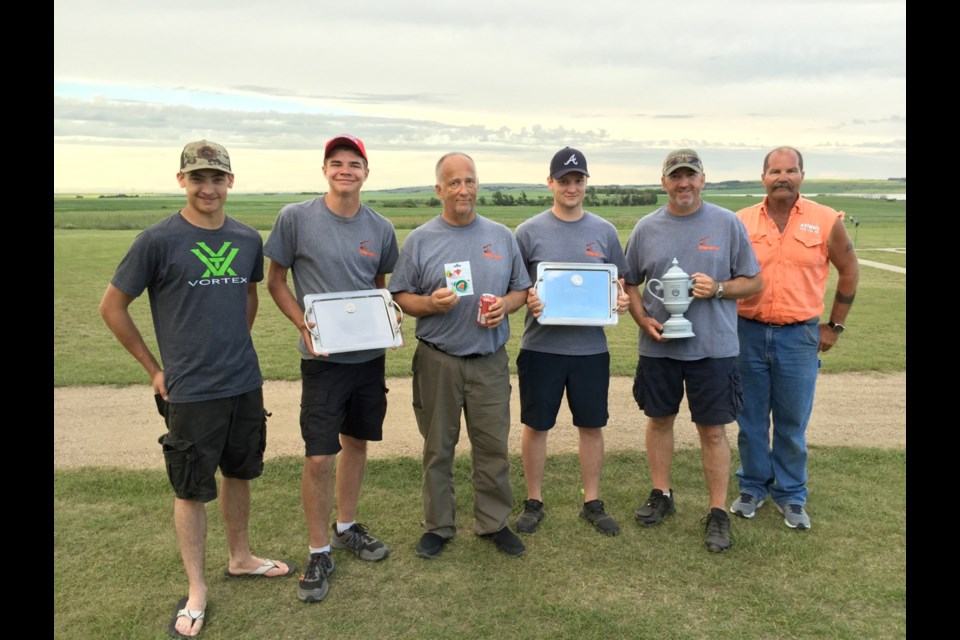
x: 468, y: 356
x: 786, y: 324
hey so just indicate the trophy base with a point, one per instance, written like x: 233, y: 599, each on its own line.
x: 677, y: 328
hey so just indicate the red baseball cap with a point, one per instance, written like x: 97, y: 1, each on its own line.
x: 345, y: 140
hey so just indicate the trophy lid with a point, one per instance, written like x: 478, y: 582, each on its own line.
x: 674, y: 273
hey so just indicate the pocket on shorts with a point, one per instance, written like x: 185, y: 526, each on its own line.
x: 385, y: 402
x: 638, y: 386
x: 263, y: 432
x: 180, y: 458
x: 161, y: 405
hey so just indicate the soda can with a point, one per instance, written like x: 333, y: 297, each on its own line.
x: 486, y: 300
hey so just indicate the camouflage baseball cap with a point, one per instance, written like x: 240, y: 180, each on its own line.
x: 682, y: 159
x: 204, y: 154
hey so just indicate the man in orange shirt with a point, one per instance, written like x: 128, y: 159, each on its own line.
x: 781, y: 335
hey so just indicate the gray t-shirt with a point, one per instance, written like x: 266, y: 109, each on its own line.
x: 328, y: 253
x: 712, y: 240
x: 547, y: 238
x: 197, y: 281
x: 495, y: 266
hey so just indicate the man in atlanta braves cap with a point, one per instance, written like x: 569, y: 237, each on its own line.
x: 334, y: 243
x: 567, y: 160
x: 558, y: 359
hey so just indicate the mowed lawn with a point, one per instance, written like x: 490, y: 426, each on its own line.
x: 117, y: 571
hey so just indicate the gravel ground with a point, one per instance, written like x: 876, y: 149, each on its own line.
x: 119, y: 426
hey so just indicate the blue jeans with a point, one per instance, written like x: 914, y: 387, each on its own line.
x: 778, y: 366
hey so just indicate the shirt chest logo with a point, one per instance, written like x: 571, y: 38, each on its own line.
x: 217, y: 262
x: 488, y: 252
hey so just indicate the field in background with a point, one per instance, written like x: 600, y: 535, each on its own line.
x: 91, y: 235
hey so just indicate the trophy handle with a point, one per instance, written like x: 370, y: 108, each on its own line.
x: 658, y: 285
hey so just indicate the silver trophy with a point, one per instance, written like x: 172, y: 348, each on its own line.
x: 676, y: 287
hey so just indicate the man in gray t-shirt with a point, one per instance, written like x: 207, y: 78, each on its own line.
x: 460, y: 367
x: 571, y: 359
x: 200, y: 269
x: 334, y: 243
x: 711, y: 245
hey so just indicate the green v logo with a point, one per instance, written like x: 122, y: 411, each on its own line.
x: 217, y: 263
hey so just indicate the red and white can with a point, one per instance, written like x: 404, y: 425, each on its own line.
x: 483, y: 307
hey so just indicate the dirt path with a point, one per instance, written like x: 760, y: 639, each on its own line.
x: 111, y: 426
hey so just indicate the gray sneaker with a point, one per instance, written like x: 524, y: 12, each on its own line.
x: 361, y: 543
x: 529, y: 520
x: 746, y: 505
x: 795, y: 516
x: 313, y: 585
x: 657, y: 506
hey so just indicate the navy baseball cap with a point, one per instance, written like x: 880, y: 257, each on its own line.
x: 568, y: 160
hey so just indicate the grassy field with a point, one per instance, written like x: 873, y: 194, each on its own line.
x: 118, y: 573
x: 86, y: 255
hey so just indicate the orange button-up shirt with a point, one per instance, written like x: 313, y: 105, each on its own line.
x: 794, y: 264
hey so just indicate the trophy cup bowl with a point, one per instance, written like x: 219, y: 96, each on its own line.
x: 676, y: 287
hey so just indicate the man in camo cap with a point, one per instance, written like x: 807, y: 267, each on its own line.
x: 200, y: 269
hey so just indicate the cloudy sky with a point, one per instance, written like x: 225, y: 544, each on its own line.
x: 507, y: 81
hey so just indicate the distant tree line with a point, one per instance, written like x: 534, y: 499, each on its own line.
x: 610, y: 196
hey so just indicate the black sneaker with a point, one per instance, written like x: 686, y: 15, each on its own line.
x: 363, y: 545
x: 593, y: 512
x: 529, y: 520
x: 507, y: 541
x: 718, y: 531
x: 657, y: 507
x: 313, y: 581
x: 430, y: 545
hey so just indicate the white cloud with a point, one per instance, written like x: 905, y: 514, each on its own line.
x: 623, y: 80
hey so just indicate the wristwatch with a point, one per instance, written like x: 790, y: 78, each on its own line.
x: 836, y: 327
x: 719, y: 293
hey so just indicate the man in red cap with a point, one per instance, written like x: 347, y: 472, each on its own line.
x: 334, y: 243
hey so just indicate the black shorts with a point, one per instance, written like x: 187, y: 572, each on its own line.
x: 544, y: 377
x: 714, y: 390
x: 229, y: 433
x: 341, y: 398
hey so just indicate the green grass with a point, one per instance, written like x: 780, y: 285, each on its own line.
x: 86, y: 256
x: 118, y: 573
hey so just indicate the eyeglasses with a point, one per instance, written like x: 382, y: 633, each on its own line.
x: 684, y: 158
